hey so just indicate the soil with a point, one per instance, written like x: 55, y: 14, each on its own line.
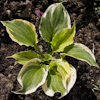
x: 88, y: 33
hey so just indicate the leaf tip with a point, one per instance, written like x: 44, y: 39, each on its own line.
x: 97, y: 65
x: 9, y: 57
x: 2, y: 22
x: 18, y: 92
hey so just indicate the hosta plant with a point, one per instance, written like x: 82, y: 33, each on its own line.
x: 53, y: 74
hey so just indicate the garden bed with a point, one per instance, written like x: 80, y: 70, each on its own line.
x: 88, y: 33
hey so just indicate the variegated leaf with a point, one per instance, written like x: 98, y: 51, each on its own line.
x: 81, y: 52
x: 24, y: 56
x: 32, y: 76
x: 64, y: 69
x: 21, y: 31
x: 54, y: 83
x: 63, y: 39
x: 53, y: 21
x: 72, y: 79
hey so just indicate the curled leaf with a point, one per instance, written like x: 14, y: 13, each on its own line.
x: 64, y: 69
x: 81, y: 52
x: 54, y: 83
x: 21, y: 31
x: 32, y: 76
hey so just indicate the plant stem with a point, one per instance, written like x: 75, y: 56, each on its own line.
x: 52, y: 52
x: 49, y: 48
x: 36, y: 47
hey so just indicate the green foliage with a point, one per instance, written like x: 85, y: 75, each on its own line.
x: 51, y: 24
x: 24, y: 57
x: 22, y: 32
x: 53, y: 74
x: 81, y: 52
x: 96, y: 88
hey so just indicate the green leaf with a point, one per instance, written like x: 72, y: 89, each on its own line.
x: 24, y: 57
x: 53, y: 21
x: 53, y: 84
x: 64, y: 69
x: 32, y: 76
x: 21, y: 31
x: 81, y: 52
x: 48, y: 57
x: 63, y: 39
x: 52, y: 64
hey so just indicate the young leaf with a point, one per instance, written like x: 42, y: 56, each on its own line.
x: 63, y: 39
x: 48, y: 57
x: 53, y: 21
x: 53, y: 84
x: 64, y: 69
x: 24, y: 57
x: 21, y: 31
x: 81, y: 52
x: 32, y: 76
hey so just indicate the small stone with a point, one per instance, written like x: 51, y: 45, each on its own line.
x: 40, y: 97
x: 79, y: 86
x: 9, y: 75
x: 15, y: 63
x: 91, y: 70
x: 78, y: 66
x: 2, y: 30
x: 8, y: 12
x: 80, y: 39
x: 92, y: 80
x: 88, y: 77
x: 41, y: 48
x: 11, y: 67
x: 97, y: 71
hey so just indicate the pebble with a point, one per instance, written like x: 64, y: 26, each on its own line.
x: 97, y: 71
x: 40, y: 97
x: 15, y: 63
x: 92, y: 80
x: 11, y: 67
x: 8, y: 12
x: 88, y: 77
x: 41, y: 48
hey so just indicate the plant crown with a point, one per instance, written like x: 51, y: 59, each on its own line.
x: 53, y: 74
